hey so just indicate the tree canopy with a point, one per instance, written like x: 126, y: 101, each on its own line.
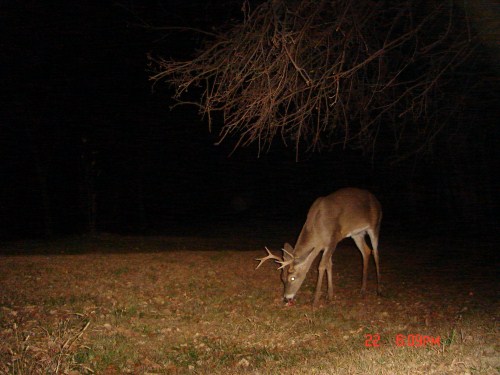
x: 316, y: 74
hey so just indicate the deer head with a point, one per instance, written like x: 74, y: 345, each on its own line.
x: 294, y: 269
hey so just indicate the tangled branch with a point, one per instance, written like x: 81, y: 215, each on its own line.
x: 325, y: 73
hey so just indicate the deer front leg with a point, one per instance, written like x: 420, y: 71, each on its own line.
x: 324, y: 265
x: 317, y: 294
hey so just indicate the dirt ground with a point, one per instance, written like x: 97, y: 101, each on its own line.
x: 173, y: 305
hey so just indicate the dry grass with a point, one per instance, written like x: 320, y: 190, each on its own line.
x: 121, y: 305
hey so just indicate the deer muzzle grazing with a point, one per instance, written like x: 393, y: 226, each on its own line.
x: 348, y: 212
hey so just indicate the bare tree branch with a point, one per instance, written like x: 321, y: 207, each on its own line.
x: 327, y: 73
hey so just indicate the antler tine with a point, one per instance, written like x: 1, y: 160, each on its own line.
x: 284, y: 264
x: 288, y: 262
x: 289, y: 253
x: 269, y: 256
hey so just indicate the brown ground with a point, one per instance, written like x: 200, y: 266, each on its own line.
x: 142, y: 305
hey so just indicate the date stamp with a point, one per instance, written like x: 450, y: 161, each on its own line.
x: 373, y: 340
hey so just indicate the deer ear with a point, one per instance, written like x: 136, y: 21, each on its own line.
x: 288, y: 255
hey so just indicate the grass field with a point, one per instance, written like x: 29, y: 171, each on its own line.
x: 175, y: 305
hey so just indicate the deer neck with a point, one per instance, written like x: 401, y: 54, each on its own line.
x: 306, y: 245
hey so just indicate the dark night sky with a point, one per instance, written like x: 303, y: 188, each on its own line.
x: 76, y: 102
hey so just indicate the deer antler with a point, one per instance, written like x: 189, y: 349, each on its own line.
x: 277, y: 259
x: 269, y: 256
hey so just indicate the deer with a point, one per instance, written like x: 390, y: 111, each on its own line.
x: 348, y: 212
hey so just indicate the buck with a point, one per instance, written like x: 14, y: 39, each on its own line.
x: 348, y: 212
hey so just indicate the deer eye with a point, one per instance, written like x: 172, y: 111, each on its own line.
x: 292, y: 278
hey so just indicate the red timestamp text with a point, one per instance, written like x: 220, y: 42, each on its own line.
x: 373, y: 340
x: 417, y: 340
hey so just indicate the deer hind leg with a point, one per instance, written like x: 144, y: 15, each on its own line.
x: 329, y: 273
x: 374, y: 240
x: 359, y: 239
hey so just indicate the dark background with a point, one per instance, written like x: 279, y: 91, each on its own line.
x: 87, y: 145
